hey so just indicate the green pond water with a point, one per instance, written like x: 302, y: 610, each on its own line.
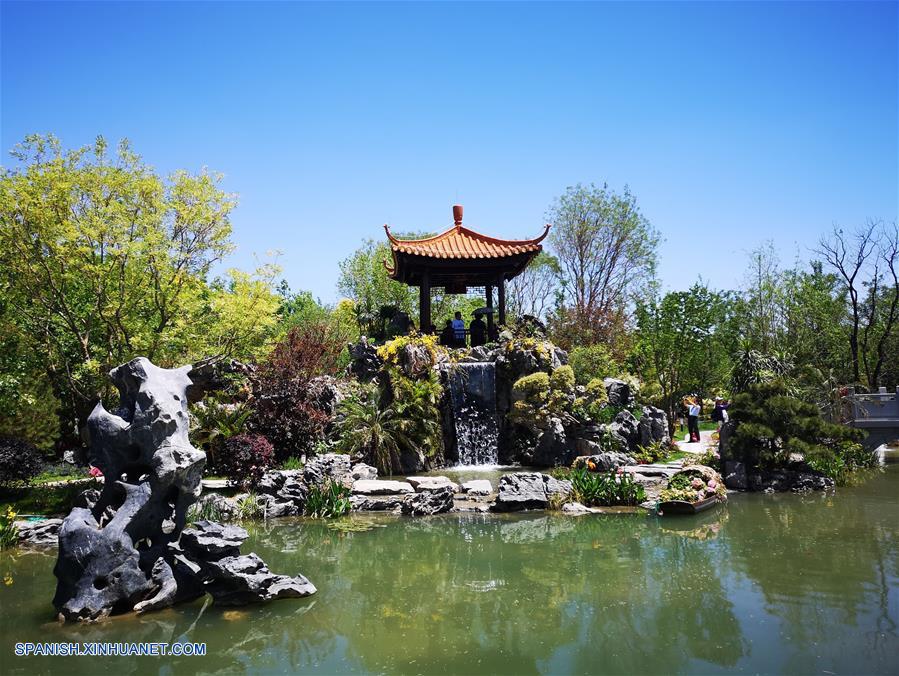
x: 786, y: 584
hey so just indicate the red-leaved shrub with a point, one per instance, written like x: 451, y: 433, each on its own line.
x: 245, y: 458
x: 284, y: 408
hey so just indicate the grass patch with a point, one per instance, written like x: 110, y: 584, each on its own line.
x: 45, y: 500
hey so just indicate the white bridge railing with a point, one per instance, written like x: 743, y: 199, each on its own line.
x: 873, y: 407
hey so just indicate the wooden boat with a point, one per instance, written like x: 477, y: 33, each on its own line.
x: 684, y: 507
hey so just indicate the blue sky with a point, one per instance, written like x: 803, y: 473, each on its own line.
x: 733, y: 123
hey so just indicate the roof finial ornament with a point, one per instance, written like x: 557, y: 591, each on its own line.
x: 457, y: 215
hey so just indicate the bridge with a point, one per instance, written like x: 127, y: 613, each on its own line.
x: 876, y: 412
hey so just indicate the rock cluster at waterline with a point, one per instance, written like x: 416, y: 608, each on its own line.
x: 126, y: 547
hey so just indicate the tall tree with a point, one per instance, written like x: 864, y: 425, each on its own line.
x: 684, y: 340
x: 606, y: 250
x: 102, y: 260
x: 534, y: 292
x: 867, y: 262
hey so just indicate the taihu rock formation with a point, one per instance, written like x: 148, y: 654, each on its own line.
x: 128, y: 548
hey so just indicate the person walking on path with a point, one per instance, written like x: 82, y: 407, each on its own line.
x: 719, y: 415
x: 693, y: 410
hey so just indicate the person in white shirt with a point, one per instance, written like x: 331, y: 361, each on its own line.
x: 693, y: 410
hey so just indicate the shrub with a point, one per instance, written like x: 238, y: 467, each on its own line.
x: 710, y: 459
x: 327, y: 500
x: 381, y: 433
x: 9, y: 533
x: 843, y: 461
x: 204, y: 510
x: 605, y: 488
x: 533, y: 389
x: 249, y: 506
x: 657, y: 451
x: 292, y: 462
x: 592, y: 362
x: 284, y: 410
x: 771, y: 425
x: 20, y: 462
x: 594, y: 405
x: 213, y: 421
x: 245, y: 458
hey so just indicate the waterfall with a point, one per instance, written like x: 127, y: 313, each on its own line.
x: 473, y: 394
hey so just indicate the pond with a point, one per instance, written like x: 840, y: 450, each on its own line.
x: 784, y: 583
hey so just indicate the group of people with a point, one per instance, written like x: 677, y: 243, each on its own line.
x: 693, y: 409
x: 454, y: 331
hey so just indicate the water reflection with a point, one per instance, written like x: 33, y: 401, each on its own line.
x: 771, y: 583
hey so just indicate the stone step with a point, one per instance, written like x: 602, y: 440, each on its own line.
x: 381, y: 487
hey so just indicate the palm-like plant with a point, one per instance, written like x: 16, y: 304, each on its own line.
x: 382, y: 433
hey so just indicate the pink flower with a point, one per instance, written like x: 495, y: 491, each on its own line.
x: 697, y: 484
x: 713, y: 484
x: 95, y: 471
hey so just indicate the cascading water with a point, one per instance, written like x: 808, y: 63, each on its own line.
x: 473, y: 394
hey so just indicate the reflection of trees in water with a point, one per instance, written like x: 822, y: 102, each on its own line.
x: 823, y: 561
x: 512, y: 593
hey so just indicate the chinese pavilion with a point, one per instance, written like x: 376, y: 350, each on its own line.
x: 458, y: 259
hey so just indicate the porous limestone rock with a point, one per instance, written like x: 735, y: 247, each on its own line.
x: 43, y: 533
x: 333, y: 466
x: 529, y: 490
x: 120, y: 550
x: 619, y: 392
x: 428, y: 502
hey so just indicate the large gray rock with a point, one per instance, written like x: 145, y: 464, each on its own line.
x: 120, y: 550
x: 528, y: 490
x: 477, y: 487
x: 379, y: 503
x: 626, y: 426
x: 43, y: 533
x: 735, y: 475
x: 553, y: 446
x: 239, y: 580
x: 363, y: 471
x: 211, y: 540
x: 619, y: 392
x: 365, y: 363
x: 377, y: 487
x: 325, y: 394
x: 653, y: 426
x: 431, y: 483
x: 333, y: 466
x: 428, y: 502
x: 285, y: 487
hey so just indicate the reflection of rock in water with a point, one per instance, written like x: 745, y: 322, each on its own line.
x: 540, y: 529
x: 473, y: 393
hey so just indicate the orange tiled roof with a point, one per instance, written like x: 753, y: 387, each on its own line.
x: 460, y: 242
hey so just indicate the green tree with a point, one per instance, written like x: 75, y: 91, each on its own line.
x: 102, y: 260
x: 606, y: 251
x: 683, y: 342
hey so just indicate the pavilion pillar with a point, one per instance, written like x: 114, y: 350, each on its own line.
x: 488, y: 298
x: 501, y: 289
x: 424, y: 304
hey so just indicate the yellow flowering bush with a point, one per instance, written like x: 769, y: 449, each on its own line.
x: 9, y: 534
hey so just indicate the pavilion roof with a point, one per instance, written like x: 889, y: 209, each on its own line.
x: 462, y: 242
x: 462, y: 248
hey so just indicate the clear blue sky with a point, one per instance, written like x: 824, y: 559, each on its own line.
x: 733, y: 123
